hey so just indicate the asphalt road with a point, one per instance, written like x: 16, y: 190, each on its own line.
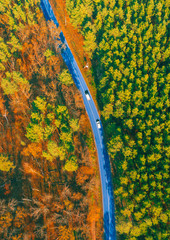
x: 103, y: 158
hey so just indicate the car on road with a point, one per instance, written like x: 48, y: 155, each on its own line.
x: 87, y: 95
x: 98, y: 123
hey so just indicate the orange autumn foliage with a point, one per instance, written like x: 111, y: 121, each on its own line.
x: 34, y: 149
x: 34, y: 45
x: 81, y: 177
x: 84, y: 124
x: 2, y: 107
x: 7, y: 188
x: 86, y: 170
x: 30, y: 170
x: 94, y: 214
x: 78, y: 100
x: 77, y: 196
x: 40, y: 65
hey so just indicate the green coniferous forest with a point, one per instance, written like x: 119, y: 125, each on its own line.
x: 128, y: 43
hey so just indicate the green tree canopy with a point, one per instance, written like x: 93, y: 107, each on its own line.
x: 65, y: 78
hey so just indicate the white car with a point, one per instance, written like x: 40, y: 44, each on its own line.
x: 87, y: 95
x: 98, y: 123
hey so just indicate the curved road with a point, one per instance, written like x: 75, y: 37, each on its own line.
x: 103, y: 158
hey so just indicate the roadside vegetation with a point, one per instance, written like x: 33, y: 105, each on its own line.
x: 48, y: 165
x: 128, y: 44
x: 75, y: 41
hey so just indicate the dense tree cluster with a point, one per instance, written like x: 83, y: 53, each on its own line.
x: 46, y: 149
x: 48, y: 122
x: 128, y: 43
